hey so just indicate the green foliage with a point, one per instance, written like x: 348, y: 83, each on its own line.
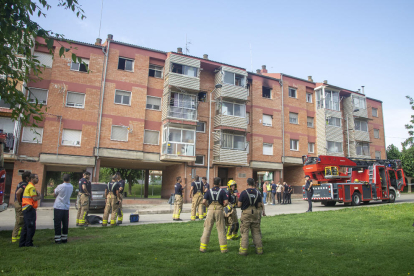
x: 129, y: 175
x: 407, y: 159
x: 352, y: 241
x: 393, y: 152
x: 17, y: 39
x: 57, y: 178
x: 410, y: 126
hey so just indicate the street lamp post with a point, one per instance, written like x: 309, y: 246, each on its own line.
x: 209, y: 132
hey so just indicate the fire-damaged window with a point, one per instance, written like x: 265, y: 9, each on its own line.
x: 202, y: 96
x: 155, y: 71
x: 266, y: 92
x: 199, y: 160
x: 184, y: 70
x: 362, y: 148
x: 126, y: 64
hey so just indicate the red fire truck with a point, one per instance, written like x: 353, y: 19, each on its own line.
x: 353, y: 180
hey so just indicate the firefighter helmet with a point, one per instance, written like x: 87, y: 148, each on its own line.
x: 231, y: 183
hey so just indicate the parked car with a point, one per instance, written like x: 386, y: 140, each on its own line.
x: 98, y: 196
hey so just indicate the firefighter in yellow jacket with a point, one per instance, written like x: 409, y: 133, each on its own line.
x: 232, y: 221
x: 112, y: 202
x: 18, y: 206
x: 196, y: 193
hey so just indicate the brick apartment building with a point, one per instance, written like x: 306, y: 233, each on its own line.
x: 145, y: 109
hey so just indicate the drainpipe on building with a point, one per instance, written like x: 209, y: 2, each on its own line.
x: 347, y: 133
x: 60, y: 124
x: 283, y: 127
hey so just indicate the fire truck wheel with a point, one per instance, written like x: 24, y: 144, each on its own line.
x: 356, y: 199
x: 392, y: 197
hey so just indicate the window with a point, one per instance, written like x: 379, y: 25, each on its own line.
x: 119, y: 133
x: 332, y: 100
x: 294, y: 144
x: 359, y: 102
x: 234, y: 79
x: 374, y: 112
x: 183, y: 106
x: 151, y: 137
x: 71, y: 137
x: 319, y: 101
x: 39, y: 94
x: 362, y: 148
x: 247, y: 147
x: 184, y: 70
x: 267, y: 149
x: 311, y: 147
x: 333, y: 121
x: 124, y: 97
x: 267, y: 120
x: 310, y: 121
x: 334, y: 146
x: 155, y: 71
x: 45, y: 59
x: 361, y: 125
x: 201, y: 127
x: 231, y: 141
x: 376, y: 133
x: 202, y: 96
x: 74, y: 99
x: 199, y: 160
x: 153, y: 103
x: 266, y: 92
x: 178, y: 141
x: 32, y: 135
x: 378, y: 155
x: 293, y: 118
x: 292, y: 92
x: 81, y: 67
x: 7, y: 125
x: 248, y: 118
x: 233, y: 109
x: 126, y: 64
x: 309, y: 97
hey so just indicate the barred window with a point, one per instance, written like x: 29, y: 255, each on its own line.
x: 293, y: 118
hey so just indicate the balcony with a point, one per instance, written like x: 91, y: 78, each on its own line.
x: 233, y: 83
x: 178, y: 144
x: 183, y: 72
x: 9, y: 130
x: 232, y: 115
x: 179, y: 106
x: 229, y: 149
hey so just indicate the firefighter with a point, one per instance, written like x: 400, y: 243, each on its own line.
x: 251, y: 204
x: 121, y: 184
x: 215, y: 200
x: 178, y: 199
x: 29, y: 206
x: 196, y: 193
x: 112, y: 201
x: 290, y: 189
x: 85, y: 195
x: 206, y: 188
x: 309, y: 191
x: 230, y: 211
x: 18, y: 206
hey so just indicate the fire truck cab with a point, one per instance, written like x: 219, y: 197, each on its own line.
x: 353, y: 180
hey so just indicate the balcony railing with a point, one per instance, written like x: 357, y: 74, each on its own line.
x: 182, y: 113
x: 172, y: 148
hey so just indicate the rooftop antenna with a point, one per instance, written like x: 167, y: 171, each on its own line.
x: 100, y: 22
x: 187, y: 43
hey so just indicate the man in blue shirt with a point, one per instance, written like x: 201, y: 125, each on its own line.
x: 273, y: 192
x: 62, y: 194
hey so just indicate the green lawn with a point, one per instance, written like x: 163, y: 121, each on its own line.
x: 136, y: 191
x: 354, y: 241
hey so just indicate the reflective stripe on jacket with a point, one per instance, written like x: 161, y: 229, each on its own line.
x: 28, y: 195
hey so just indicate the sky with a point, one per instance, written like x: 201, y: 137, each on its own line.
x: 348, y: 43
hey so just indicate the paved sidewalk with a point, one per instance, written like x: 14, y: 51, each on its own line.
x: 162, y: 213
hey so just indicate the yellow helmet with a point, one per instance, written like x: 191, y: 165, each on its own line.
x: 231, y: 182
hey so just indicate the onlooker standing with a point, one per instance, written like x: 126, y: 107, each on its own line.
x: 290, y: 189
x: 269, y: 190
x: 29, y: 206
x: 309, y: 191
x: 273, y: 193
x: 18, y: 206
x: 264, y: 193
x: 279, y: 192
x: 61, y: 209
x: 285, y: 193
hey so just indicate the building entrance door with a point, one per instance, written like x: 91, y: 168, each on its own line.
x: 223, y: 174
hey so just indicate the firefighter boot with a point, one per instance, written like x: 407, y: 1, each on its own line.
x: 228, y: 234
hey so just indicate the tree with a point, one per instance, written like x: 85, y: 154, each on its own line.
x: 393, y: 152
x: 410, y: 126
x: 407, y: 160
x: 131, y: 176
x: 17, y: 63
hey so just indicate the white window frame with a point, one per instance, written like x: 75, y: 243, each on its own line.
x: 296, y: 92
x: 158, y: 139
x: 332, y: 102
x: 292, y: 145
x: 232, y: 141
x: 248, y: 118
x: 297, y: 119
x: 308, y: 97
x: 311, y: 119
x: 269, y: 146
x: 198, y: 164
x: 360, y: 125
x: 378, y: 158
x: 376, y: 112
x: 39, y: 130
x: 80, y: 138
x: 112, y: 130
x: 330, y: 121
x: 130, y: 97
x: 319, y: 99
x: 336, y: 144
x: 234, y: 104
x: 84, y: 99
x: 204, y: 123
x: 234, y: 79
x: 361, y: 145
x: 358, y: 104
x: 32, y: 101
x: 181, y: 107
x: 146, y: 105
x: 130, y: 59
x: 86, y: 61
x: 157, y: 69
x: 271, y: 120
x: 311, y: 147
x: 184, y: 70
x: 376, y: 133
